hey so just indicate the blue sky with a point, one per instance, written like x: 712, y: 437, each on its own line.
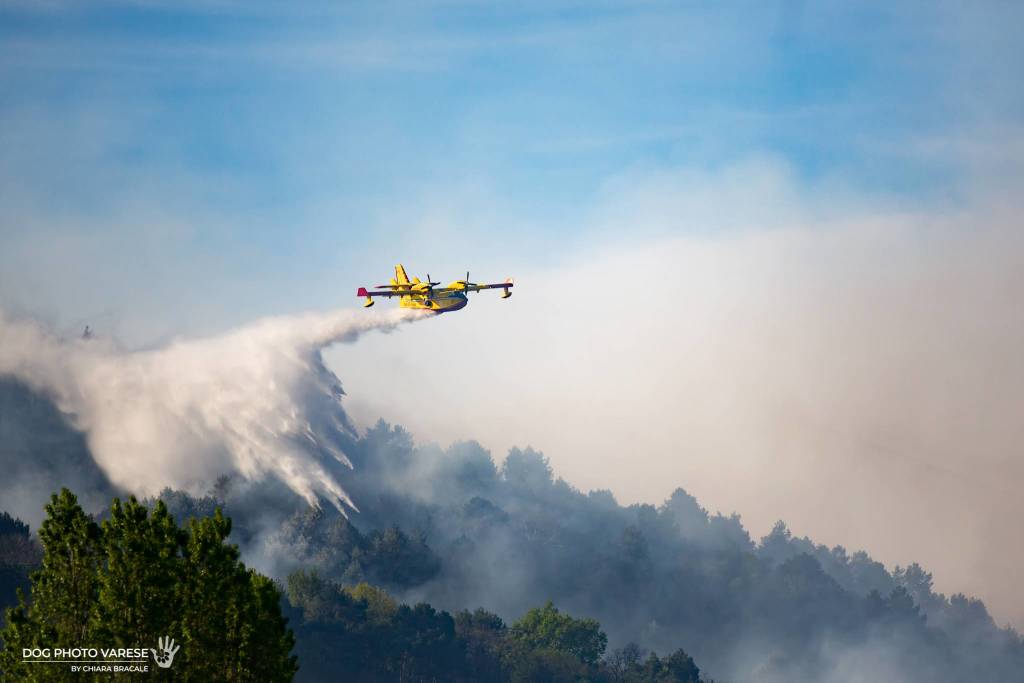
x: 277, y: 145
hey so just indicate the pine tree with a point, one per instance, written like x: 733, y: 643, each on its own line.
x: 137, y: 601
x: 246, y: 638
x: 141, y: 579
x: 265, y: 651
x: 62, y: 596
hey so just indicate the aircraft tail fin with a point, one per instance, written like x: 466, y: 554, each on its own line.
x: 400, y: 275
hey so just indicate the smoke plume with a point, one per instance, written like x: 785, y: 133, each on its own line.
x: 256, y: 402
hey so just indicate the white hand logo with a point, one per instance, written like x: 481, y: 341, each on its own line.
x: 167, y: 652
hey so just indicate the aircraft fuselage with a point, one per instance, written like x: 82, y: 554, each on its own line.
x: 438, y: 302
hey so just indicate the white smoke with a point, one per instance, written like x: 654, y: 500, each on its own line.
x: 254, y: 402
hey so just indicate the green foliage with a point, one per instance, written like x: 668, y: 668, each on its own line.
x: 380, y: 607
x: 64, y: 591
x: 485, y: 638
x: 137, y: 600
x: 140, y: 578
x: 266, y: 644
x: 365, y: 633
x: 323, y: 601
x: 547, y: 628
x: 628, y: 665
x: 246, y: 639
x: 393, y: 558
x: 389, y: 557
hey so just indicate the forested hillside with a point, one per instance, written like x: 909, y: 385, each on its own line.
x: 140, y: 579
x: 438, y: 569
x: 450, y: 527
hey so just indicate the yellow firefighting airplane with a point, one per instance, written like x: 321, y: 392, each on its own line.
x: 424, y: 296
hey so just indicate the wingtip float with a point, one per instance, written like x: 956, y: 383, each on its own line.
x: 426, y: 296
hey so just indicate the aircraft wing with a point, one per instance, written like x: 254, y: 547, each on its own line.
x: 475, y: 288
x: 386, y: 292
